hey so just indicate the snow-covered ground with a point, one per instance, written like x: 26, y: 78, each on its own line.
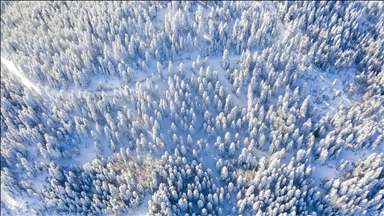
x: 143, y: 208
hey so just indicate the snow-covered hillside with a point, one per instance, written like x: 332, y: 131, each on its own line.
x: 192, y: 108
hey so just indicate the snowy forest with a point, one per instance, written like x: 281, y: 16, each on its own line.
x: 192, y: 108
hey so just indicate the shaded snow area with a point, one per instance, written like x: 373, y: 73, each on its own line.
x: 192, y: 108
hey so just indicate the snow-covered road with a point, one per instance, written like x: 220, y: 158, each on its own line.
x: 25, y: 81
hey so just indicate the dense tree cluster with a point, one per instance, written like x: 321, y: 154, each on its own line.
x: 185, y: 188
x: 360, y: 190
x: 208, y: 108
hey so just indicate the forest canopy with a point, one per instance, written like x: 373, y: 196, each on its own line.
x: 192, y: 108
